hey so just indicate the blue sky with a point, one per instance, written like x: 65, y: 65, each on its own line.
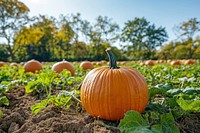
x: 165, y: 13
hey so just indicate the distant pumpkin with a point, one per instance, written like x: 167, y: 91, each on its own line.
x: 2, y: 63
x: 86, y: 65
x: 14, y: 64
x: 60, y: 66
x: 149, y: 63
x: 188, y: 62
x: 109, y: 92
x: 32, y: 66
x: 175, y: 63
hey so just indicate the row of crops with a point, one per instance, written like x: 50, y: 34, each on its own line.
x: 174, y: 94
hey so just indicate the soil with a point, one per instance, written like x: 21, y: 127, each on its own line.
x: 18, y: 118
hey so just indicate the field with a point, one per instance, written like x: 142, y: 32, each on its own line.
x: 47, y: 102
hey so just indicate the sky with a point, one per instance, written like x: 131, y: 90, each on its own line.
x: 165, y: 13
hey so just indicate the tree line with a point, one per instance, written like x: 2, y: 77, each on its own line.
x: 72, y: 38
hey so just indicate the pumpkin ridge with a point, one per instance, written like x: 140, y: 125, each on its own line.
x: 123, y: 74
x: 132, y: 84
x: 104, y: 77
x: 90, y: 90
x: 140, y: 78
x: 129, y: 92
x: 109, y: 97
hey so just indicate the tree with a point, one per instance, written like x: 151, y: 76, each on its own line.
x: 64, y: 36
x: 3, y: 53
x: 38, y: 38
x: 180, y: 50
x: 79, y: 51
x: 103, y: 31
x: 166, y: 51
x: 27, y: 42
x: 143, y: 36
x: 13, y: 16
x: 187, y: 30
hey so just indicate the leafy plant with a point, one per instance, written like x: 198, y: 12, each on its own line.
x: 62, y: 101
x: 42, y: 83
x: 133, y: 122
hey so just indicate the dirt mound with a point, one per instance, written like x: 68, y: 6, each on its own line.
x: 18, y: 118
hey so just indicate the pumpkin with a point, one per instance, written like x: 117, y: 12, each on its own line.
x: 32, y: 66
x: 109, y: 92
x: 175, y: 63
x: 149, y: 63
x: 60, y: 66
x: 188, y: 62
x: 94, y: 62
x: 22, y: 63
x: 2, y: 63
x: 14, y: 64
x: 86, y: 65
x: 103, y: 62
x: 99, y: 63
x: 142, y: 63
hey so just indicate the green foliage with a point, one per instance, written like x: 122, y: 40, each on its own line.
x: 63, y: 100
x: 12, y: 18
x: 4, y: 100
x: 143, y: 36
x: 1, y: 113
x: 185, y: 49
x: 189, y: 105
x: 133, y: 122
x: 42, y: 83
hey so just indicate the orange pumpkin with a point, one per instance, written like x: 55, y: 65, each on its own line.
x: 2, y: 63
x: 175, y: 63
x: 14, y: 64
x: 86, y: 65
x: 188, y: 62
x: 109, y: 92
x: 149, y: 63
x: 60, y: 66
x: 32, y: 66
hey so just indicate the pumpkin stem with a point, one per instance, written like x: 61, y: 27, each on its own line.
x: 112, y: 59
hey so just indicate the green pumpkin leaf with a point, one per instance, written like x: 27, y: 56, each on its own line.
x: 4, y: 100
x: 157, y: 128
x: 167, y: 123
x: 165, y: 87
x: 133, y: 122
x: 1, y: 113
x: 189, y: 105
x: 191, y: 91
x: 174, y: 91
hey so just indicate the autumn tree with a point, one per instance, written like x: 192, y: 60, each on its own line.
x: 79, y: 51
x: 188, y: 29
x: 186, y: 32
x: 13, y: 16
x: 38, y: 38
x: 143, y: 37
